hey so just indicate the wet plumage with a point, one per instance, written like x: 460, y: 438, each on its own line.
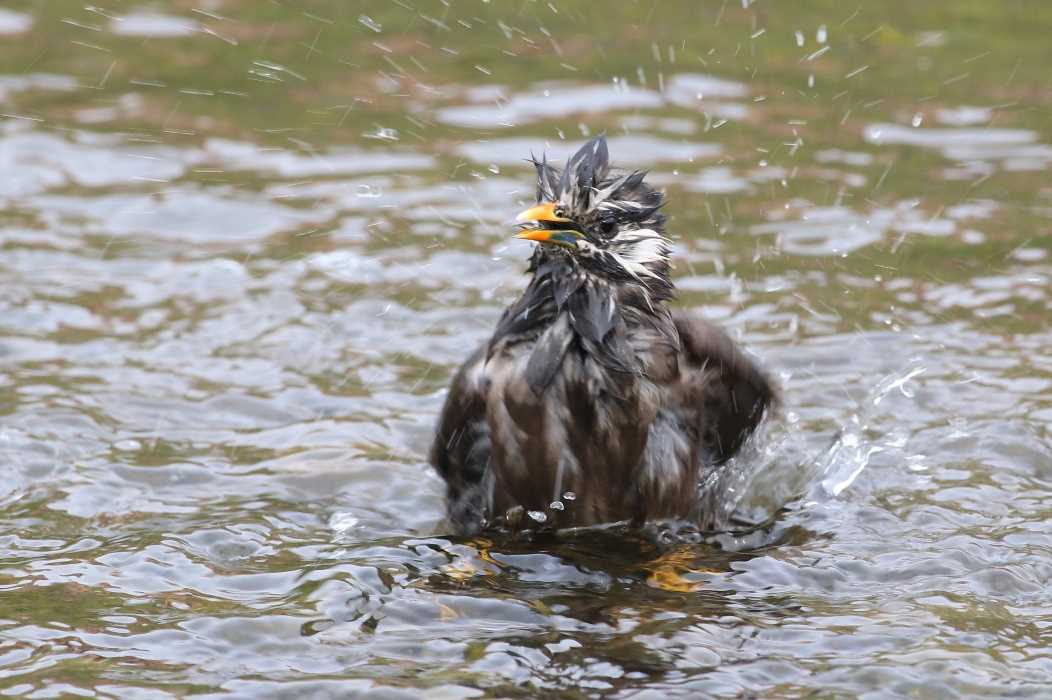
x: 593, y: 402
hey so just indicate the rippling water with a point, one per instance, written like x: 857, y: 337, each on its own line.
x: 243, y: 246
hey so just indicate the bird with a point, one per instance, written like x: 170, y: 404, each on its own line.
x: 594, y: 402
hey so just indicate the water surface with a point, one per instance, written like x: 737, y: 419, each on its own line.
x: 244, y: 245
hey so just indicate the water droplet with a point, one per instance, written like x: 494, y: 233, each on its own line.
x: 569, y: 496
x: 799, y: 38
x: 821, y: 35
x: 917, y: 120
x: 367, y: 21
x: 382, y: 133
x: 494, y: 168
x: 537, y: 515
x: 556, y: 505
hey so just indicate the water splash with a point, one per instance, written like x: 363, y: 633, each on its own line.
x: 859, y: 440
x: 779, y: 466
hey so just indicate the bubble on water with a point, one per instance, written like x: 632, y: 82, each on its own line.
x: 537, y: 515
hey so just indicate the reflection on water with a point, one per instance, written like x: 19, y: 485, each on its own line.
x: 243, y: 247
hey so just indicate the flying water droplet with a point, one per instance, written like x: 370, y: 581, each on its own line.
x: 569, y: 496
x: 556, y: 505
x: 537, y: 515
x: 382, y: 133
x: 367, y: 21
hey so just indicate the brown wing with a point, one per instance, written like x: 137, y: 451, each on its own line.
x: 722, y: 393
x: 461, y: 450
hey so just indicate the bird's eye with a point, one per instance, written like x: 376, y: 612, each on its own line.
x: 559, y: 212
x: 607, y: 227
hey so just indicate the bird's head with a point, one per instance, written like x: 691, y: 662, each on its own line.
x: 608, y: 223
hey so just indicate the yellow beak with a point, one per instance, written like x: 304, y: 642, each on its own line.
x: 541, y: 212
x: 546, y: 212
x: 539, y: 235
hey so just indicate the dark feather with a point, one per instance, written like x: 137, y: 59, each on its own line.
x: 547, y: 179
x: 592, y: 312
x: 533, y: 310
x: 615, y: 354
x: 631, y: 182
x: 725, y: 393
x: 461, y: 449
x: 565, y: 286
x: 547, y: 356
x: 585, y: 169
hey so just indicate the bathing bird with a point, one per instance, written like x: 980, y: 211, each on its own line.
x: 593, y: 401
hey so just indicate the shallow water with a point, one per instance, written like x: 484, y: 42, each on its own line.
x: 243, y: 246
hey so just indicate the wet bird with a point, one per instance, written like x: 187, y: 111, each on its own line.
x: 594, y: 402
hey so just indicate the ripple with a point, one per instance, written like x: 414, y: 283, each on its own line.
x: 1016, y: 149
x: 247, y: 156
x: 635, y: 149
x: 549, y: 101
x: 183, y: 214
x: 153, y: 25
x: 36, y: 162
x: 10, y: 84
x: 12, y: 22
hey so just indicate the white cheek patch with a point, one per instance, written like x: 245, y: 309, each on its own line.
x: 636, y: 249
x: 643, y: 246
